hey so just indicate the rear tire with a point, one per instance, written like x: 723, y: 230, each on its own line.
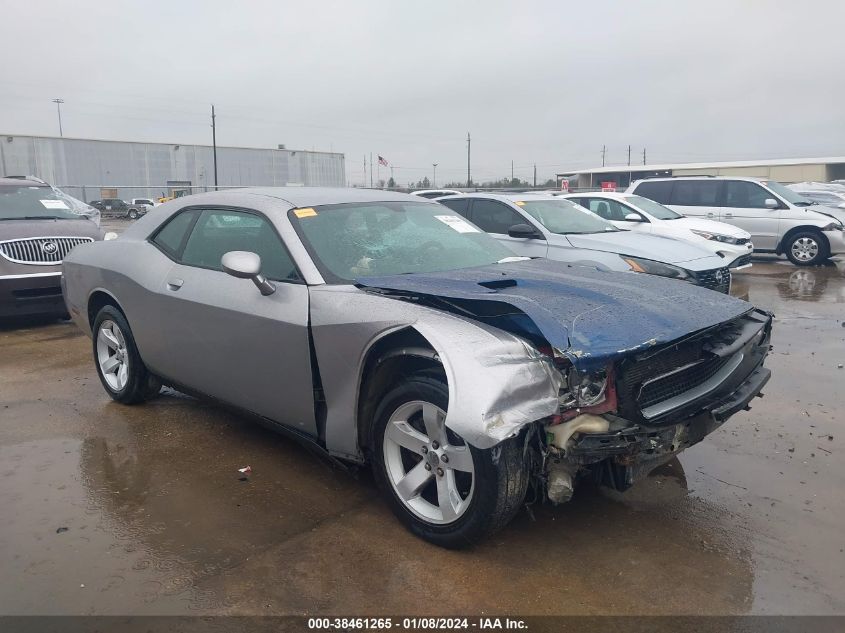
x: 807, y: 248
x: 455, y: 501
x: 119, y: 366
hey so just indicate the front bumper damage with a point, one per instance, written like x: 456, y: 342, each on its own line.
x: 618, y: 451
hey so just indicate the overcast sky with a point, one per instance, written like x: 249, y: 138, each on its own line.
x: 533, y: 82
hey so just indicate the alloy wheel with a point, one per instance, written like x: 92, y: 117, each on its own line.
x: 429, y: 467
x: 805, y: 249
x: 112, y: 355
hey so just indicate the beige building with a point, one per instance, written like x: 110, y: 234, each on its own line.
x: 784, y: 170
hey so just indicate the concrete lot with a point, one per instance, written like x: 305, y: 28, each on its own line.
x: 110, y: 509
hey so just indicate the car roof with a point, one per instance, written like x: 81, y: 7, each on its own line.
x: 21, y: 182
x: 602, y: 194
x: 705, y: 177
x: 506, y: 197
x: 316, y: 196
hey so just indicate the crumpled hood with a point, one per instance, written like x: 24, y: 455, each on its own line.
x: 590, y: 315
x: 637, y: 244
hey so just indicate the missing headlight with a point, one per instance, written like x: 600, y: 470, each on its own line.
x: 583, y: 389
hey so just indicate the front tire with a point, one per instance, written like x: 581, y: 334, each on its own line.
x: 807, y: 248
x: 444, y: 490
x: 119, y: 366
x: 133, y: 214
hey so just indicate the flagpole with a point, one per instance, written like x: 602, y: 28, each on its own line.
x: 378, y: 171
x: 371, y: 170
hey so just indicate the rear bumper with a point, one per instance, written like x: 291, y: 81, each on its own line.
x: 35, y: 293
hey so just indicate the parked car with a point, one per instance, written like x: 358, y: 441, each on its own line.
x: 635, y: 213
x: 38, y: 228
x: 433, y: 194
x: 116, y: 207
x: 381, y: 327
x: 549, y: 226
x: 825, y: 194
x: 147, y: 202
x: 780, y: 220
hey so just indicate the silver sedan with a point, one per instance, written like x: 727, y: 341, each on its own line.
x: 382, y: 328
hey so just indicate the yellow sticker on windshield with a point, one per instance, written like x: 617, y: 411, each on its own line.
x: 308, y: 212
x: 520, y: 203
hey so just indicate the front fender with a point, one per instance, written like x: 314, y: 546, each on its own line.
x: 497, y: 382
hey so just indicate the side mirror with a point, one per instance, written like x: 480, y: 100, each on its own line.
x: 525, y: 231
x: 247, y: 265
x: 633, y: 217
x: 771, y: 203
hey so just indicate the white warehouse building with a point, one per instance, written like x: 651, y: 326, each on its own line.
x: 92, y: 169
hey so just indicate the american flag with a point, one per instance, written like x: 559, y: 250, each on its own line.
x: 382, y: 161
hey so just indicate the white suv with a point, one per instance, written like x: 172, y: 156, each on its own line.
x: 779, y: 220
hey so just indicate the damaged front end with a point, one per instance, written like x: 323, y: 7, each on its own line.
x: 619, y: 424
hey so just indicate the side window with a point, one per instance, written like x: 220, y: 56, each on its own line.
x: 745, y: 195
x: 460, y: 205
x: 696, y: 193
x: 218, y: 231
x: 657, y: 190
x: 171, y: 238
x: 494, y: 217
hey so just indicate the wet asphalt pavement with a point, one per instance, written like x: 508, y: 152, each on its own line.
x: 108, y: 509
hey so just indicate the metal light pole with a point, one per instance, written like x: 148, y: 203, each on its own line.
x: 214, y: 143
x: 59, y: 103
x: 434, y: 177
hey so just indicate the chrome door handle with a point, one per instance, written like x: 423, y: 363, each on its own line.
x: 710, y: 215
x: 174, y: 284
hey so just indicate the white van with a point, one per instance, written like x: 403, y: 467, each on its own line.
x: 779, y: 220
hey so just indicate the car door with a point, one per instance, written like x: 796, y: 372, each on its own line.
x: 697, y: 198
x: 616, y: 213
x: 223, y: 337
x: 496, y: 218
x: 745, y: 207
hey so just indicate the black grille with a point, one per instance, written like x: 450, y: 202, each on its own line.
x: 679, y: 382
x: 718, y: 279
x: 742, y: 240
x: 40, y: 250
x: 742, y: 260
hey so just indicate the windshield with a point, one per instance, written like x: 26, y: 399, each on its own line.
x: 34, y: 203
x: 654, y: 209
x: 348, y: 241
x: 788, y: 194
x: 562, y: 217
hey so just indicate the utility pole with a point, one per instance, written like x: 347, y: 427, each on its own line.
x: 469, y: 176
x: 364, y: 181
x: 214, y: 143
x: 434, y: 177
x: 59, y: 103
x: 629, y: 156
x: 511, y: 172
x: 535, y: 175
x: 603, y: 152
x: 391, y: 175
x: 644, y: 156
x: 371, y: 170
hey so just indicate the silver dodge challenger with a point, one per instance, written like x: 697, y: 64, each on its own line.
x: 383, y: 328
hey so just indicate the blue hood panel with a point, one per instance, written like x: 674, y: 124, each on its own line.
x: 590, y: 315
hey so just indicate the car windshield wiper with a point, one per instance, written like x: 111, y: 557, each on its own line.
x: 804, y: 203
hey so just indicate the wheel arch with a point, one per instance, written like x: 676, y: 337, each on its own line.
x: 97, y: 300
x: 784, y: 241
x: 388, y: 360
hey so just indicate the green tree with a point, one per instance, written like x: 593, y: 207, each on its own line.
x: 391, y: 184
